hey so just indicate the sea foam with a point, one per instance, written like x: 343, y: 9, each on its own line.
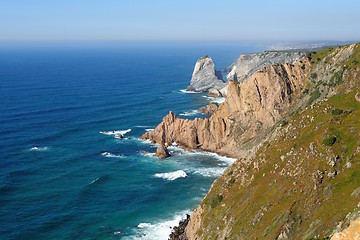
x: 160, y: 230
x: 186, y: 91
x: 190, y: 113
x: 39, y: 149
x: 116, y: 132
x: 171, y: 176
x: 215, y: 100
x: 111, y: 155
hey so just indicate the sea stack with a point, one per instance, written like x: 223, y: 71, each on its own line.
x: 162, y: 152
x: 205, y: 76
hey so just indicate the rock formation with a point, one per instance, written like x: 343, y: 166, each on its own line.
x: 247, y: 64
x: 205, y: 76
x: 296, y: 186
x: 162, y: 152
x: 251, y: 107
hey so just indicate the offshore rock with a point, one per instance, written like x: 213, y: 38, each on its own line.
x: 205, y: 77
x: 247, y: 64
x: 162, y: 152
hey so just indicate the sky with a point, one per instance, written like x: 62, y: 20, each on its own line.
x: 179, y: 20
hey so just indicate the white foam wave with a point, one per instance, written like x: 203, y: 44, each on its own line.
x: 160, y: 230
x: 190, y: 113
x: 215, y: 100
x: 93, y: 181
x: 186, y: 91
x: 148, y: 154
x: 39, y: 149
x: 224, y: 159
x: 171, y: 176
x: 110, y: 155
x: 149, y: 129
x: 116, y: 132
x: 144, y: 225
x: 209, y: 172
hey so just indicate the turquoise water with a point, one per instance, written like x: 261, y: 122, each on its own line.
x: 60, y: 178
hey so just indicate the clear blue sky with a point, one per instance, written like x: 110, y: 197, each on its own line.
x: 188, y: 20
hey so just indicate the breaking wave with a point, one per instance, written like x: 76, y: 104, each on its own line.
x: 171, y: 176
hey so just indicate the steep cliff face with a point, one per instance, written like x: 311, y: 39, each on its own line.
x: 251, y: 107
x: 247, y: 64
x: 303, y: 182
x: 205, y: 77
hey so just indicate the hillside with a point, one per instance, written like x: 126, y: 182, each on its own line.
x: 304, y: 181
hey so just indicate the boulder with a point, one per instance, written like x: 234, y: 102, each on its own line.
x: 213, y: 92
x: 162, y: 152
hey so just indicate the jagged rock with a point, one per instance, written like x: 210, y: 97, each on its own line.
x: 162, y: 152
x: 256, y: 104
x: 247, y: 64
x: 357, y: 96
x: 178, y: 232
x: 213, y: 92
x: 209, y: 109
x: 205, y: 77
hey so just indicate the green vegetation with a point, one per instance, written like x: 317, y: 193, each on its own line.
x: 216, y: 201
x: 329, y: 141
x: 337, y: 111
x: 313, y: 75
x: 314, y: 96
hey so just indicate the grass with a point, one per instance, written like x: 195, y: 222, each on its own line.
x: 314, y: 96
x: 260, y: 209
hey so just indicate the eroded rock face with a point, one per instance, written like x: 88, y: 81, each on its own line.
x: 249, y: 108
x: 205, y: 76
x: 350, y: 233
x: 162, y: 152
x: 247, y: 64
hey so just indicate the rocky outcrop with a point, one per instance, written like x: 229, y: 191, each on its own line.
x: 247, y: 64
x: 250, y: 107
x: 205, y: 76
x: 350, y: 233
x: 209, y: 109
x: 162, y: 152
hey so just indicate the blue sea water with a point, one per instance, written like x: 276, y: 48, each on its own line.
x: 60, y: 178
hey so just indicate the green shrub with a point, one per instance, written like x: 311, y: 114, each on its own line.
x: 216, y: 200
x: 313, y: 75
x: 336, y: 111
x: 329, y: 141
x: 314, y: 95
x: 283, y: 123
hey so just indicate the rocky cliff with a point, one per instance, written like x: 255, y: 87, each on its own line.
x: 250, y: 108
x: 294, y: 128
x: 303, y: 181
x: 205, y: 77
x: 247, y: 64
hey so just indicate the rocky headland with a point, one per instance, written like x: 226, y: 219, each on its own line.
x: 293, y: 125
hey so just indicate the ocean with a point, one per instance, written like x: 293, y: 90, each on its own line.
x: 63, y: 175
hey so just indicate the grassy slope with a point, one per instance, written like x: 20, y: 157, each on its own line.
x: 296, y: 185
